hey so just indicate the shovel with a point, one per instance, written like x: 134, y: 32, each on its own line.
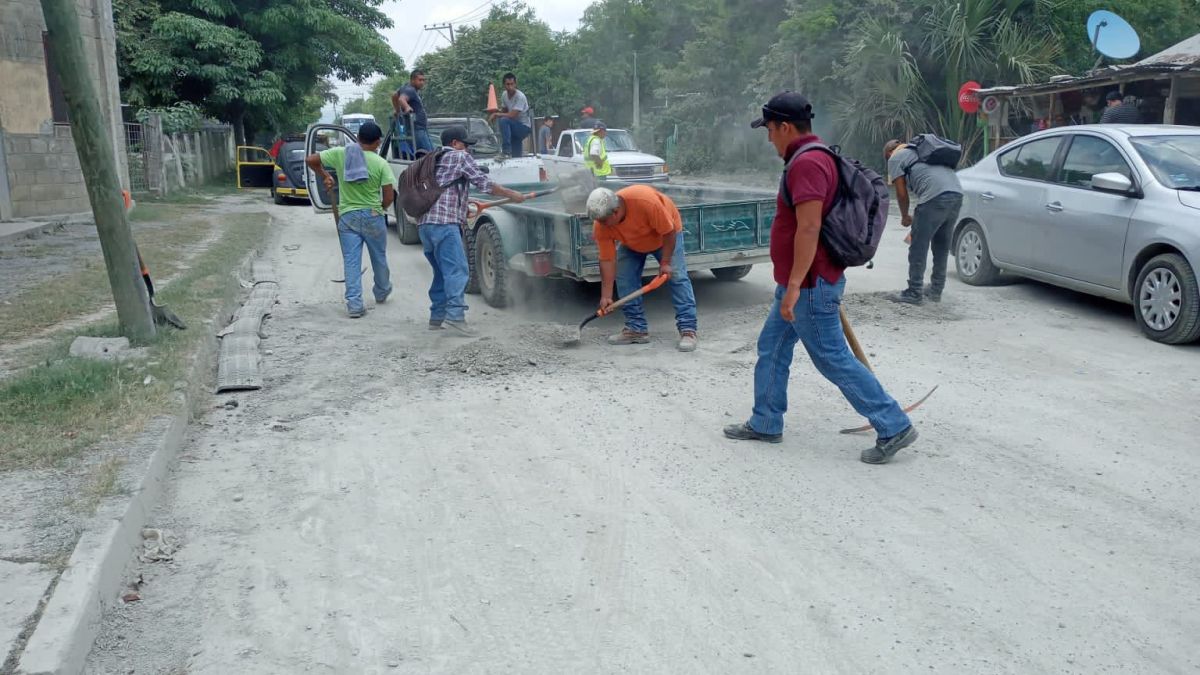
x: 576, y: 335
x: 162, y: 315
x: 861, y: 355
x: 474, y: 208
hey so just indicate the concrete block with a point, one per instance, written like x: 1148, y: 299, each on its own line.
x: 47, y: 177
x: 19, y: 145
x: 20, y: 193
x: 104, y: 349
x: 22, y: 587
x: 39, y: 145
x: 46, y: 193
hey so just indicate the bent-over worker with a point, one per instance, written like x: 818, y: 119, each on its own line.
x: 644, y: 222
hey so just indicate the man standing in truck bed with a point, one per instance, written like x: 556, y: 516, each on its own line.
x: 646, y: 223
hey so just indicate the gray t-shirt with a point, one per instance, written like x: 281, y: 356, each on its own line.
x: 544, y: 136
x: 924, y: 181
x: 520, y: 103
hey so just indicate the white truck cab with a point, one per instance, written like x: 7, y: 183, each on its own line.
x: 628, y: 163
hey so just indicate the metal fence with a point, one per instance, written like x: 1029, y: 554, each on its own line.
x: 143, y: 152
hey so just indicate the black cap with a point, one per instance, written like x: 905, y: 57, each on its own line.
x: 1113, y: 96
x: 786, y: 106
x: 456, y: 133
x: 600, y: 126
x: 369, y: 132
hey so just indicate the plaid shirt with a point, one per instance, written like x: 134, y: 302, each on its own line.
x: 451, y: 207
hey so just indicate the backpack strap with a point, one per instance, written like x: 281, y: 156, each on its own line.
x: 783, y: 186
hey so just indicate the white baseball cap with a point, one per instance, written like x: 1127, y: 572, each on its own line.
x: 602, y: 203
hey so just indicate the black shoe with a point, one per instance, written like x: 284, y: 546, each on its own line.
x: 932, y: 295
x: 357, y: 313
x: 886, y: 448
x: 743, y: 432
x: 908, y: 297
x: 435, y: 324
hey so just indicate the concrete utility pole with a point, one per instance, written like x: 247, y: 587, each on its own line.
x: 637, y: 96
x: 98, y: 161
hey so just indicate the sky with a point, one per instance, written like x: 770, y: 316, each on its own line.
x: 410, y: 40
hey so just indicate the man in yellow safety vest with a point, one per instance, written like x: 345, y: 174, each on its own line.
x: 595, y: 152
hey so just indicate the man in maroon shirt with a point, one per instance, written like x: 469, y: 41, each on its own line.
x: 809, y: 293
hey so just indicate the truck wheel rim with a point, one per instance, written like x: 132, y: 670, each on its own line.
x: 486, y: 264
x: 1161, y: 299
x: 970, y: 253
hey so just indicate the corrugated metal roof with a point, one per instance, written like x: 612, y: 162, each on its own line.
x: 1183, y: 55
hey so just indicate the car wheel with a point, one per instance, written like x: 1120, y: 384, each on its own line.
x: 490, y: 265
x: 732, y: 273
x: 972, y: 259
x: 1166, y: 300
x: 277, y: 198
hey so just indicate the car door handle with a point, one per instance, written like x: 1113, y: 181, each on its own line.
x: 987, y: 196
x: 1054, y: 207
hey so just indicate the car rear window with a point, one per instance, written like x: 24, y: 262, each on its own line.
x: 1034, y: 160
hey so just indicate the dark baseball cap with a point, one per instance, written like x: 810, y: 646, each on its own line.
x: 600, y: 126
x: 1113, y: 95
x: 369, y: 132
x: 456, y: 133
x: 786, y: 106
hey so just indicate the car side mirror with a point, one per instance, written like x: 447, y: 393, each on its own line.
x: 1113, y: 182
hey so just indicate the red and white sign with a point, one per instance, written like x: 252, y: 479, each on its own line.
x: 967, y: 98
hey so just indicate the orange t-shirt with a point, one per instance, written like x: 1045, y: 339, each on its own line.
x: 649, y: 214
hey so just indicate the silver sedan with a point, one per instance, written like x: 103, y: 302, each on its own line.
x: 1109, y: 210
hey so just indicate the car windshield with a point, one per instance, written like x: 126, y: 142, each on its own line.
x: 486, y: 141
x: 1174, y: 160
x: 618, y: 140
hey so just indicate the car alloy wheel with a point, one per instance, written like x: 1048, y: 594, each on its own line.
x: 1160, y: 299
x: 970, y: 253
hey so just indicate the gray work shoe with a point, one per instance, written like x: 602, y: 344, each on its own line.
x: 687, y: 341
x: 886, y: 448
x: 436, y: 324
x: 461, y: 328
x: 358, y: 313
x: 932, y: 295
x: 383, y: 298
x: 908, y: 296
x: 629, y: 337
x: 743, y: 432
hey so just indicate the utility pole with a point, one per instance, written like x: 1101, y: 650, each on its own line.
x: 637, y: 96
x: 439, y: 27
x: 98, y: 161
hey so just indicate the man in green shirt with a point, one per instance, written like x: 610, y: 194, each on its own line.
x: 365, y: 192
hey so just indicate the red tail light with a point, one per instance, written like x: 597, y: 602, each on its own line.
x: 281, y: 178
x: 542, y: 176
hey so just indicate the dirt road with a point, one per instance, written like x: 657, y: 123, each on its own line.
x: 400, y: 501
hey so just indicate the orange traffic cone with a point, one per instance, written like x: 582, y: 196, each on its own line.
x: 491, y: 104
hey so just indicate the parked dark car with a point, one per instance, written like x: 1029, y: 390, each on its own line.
x: 288, y: 175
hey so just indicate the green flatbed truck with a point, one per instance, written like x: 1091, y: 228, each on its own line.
x: 726, y: 230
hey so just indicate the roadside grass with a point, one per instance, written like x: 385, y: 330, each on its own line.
x: 62, y: 406
x: 86, y: 288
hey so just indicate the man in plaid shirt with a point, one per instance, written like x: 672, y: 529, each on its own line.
x: 441, y: 230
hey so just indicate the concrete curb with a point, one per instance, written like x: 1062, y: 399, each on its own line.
x: 32, y: 227
x: 63, y: 637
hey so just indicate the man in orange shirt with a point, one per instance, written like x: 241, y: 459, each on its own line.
x: 644, y: 222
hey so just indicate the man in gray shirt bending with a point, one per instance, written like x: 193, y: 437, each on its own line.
x: 939, y: 199
x: 515, y: 121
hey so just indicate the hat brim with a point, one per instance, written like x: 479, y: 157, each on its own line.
x: 760, y: 122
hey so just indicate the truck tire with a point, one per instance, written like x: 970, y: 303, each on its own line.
x: 469, y: 247
x: 731, y: 273
x: 491, y: 267
x: 406, y: 228
x: 1166, y: 300
x: 277, y: 198
x: 973, y: 258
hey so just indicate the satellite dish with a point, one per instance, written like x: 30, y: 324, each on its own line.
x: 1112, y: 36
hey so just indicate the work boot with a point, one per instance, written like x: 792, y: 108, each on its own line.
x: 908, y: 296
x: 380, y: 299
x: 687, y: 340
x: 461, y: 328
x: 743, y: 432
x: 932, y: 295
x: 436, y: 324
x: 629, y: 337
x: 358, y: 313
x: 886, y: 448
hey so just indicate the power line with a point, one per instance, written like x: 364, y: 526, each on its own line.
x: 439, y: 27
x: 462, y: 19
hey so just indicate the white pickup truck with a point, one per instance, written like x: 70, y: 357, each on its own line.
x: 511, y: 171
x: 628, y: 163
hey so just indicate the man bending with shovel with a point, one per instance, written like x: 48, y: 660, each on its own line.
x: 644, y: 222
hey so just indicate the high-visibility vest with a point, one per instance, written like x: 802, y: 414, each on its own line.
x: 605, y: 168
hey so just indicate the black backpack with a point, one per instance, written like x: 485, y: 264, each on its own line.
x: 419, y: 189
x: 935, y: 150
x: 853, y: 228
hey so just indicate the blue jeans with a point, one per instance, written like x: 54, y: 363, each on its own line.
x: 630, y: 265
x: 819, y: 327
x: 444, y: 249
x: 423, y: 141
x: 355, y: 229
x: 512, y: 135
